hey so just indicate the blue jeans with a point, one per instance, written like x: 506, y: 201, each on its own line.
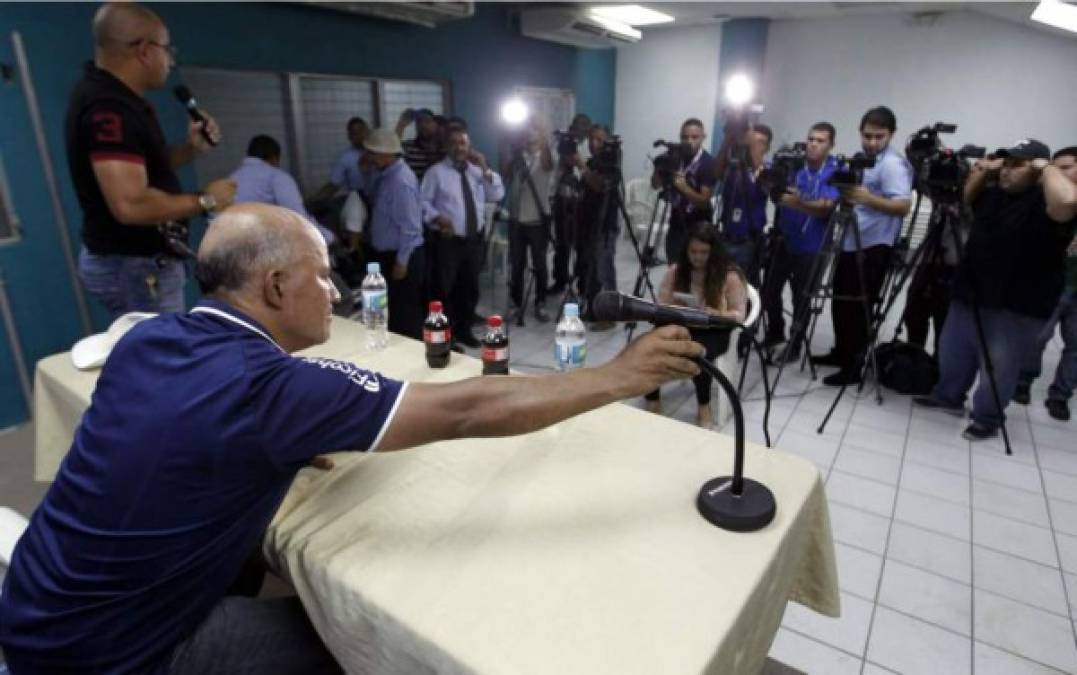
x: 127, y: 283
x: 745, y: 254
x: 1065, y: 317
x: 1008, y: 336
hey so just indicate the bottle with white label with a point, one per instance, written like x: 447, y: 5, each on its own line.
x: 495, y: 347
x: 375, y: 308
x: 570, y: 339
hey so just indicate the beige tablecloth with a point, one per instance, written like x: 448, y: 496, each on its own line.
x: 577, y: 549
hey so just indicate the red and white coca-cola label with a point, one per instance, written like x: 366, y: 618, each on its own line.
x: 495, y: 353
x: 437, y: 337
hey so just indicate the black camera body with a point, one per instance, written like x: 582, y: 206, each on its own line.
x: 607, y: 159
x: 940, y: 172
x: 674, y: 159
x: 786, y: 163
x: 850, y: 172
x: 566, y: 143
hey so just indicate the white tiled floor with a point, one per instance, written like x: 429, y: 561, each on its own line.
x: 953, y: 557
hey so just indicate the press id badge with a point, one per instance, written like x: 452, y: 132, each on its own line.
x: 737, y: 215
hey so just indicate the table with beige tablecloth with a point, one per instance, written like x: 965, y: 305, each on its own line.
x: 576, y: 549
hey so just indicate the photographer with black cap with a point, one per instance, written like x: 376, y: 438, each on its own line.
x: 1007, y: 283
x: 688, y: 170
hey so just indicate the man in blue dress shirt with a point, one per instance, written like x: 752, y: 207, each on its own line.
x: 453, y: 194
x: 199, y: 423
x: 347, y: 174
x: 880, y: 204
x: 396, y: 232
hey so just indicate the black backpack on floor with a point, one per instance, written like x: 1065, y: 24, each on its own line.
x: 906, y: 368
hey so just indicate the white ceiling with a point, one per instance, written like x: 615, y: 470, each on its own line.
x: 700, y: 13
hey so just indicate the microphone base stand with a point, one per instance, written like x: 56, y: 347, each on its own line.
x: 734, y: 502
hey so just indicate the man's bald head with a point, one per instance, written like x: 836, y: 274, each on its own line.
x: 248, y: 240
x: 118, y: 24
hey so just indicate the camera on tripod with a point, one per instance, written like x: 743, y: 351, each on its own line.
x: 786, y: 163
x: 607, y: 159
x: 566, y: 143
x: 850, y: 172
x: 667, y: 164
x: 940, y: 171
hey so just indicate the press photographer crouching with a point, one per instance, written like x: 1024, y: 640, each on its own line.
x: 685, y: 173
x: 1007, y: 283
x: 880, y: 202
x: 527, y: 164
x: 705, y: 277
x: 798, y: 181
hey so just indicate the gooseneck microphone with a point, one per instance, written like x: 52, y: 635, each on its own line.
x: 731, y: 502
x: 184, y: 96
x: 613, y: 306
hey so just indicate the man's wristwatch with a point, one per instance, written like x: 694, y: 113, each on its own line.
x: 208, y: 203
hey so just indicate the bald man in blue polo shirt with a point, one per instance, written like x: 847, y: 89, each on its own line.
x: 199, y: 422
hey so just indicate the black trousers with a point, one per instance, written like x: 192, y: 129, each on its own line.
x: 790, y: 268
x: 523, y: 237
x: 459, y: 264
x: 406, y: 306
x: 850, y: 327
x: 715, y: 343
x: 927, y: 302
x: 564, y: 232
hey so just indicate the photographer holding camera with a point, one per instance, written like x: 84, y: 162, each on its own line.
x: 686, y: 172
x: 806, y: 204
x: 565, y: 199
x: 596, y: 218
x: 744, y: 201
x: 1008, y: 282
x: 528, y: 164
x: 880, y: 203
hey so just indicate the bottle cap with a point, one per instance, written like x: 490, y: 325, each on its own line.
x: 572, y: 309
x: 435, y: 306
x: 373, y: 268
x: 494, y: 321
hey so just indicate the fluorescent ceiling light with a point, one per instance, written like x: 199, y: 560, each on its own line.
x: 1056, y: 13
x: 617, y: 27
x: 633, y: 15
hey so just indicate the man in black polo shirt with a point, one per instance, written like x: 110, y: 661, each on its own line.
x: 134, y: 209
x: 691, y: 188
x: 1012, y: 272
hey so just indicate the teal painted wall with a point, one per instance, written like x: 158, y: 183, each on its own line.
x: 482, y: 58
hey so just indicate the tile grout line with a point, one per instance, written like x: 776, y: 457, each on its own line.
x: 972, y: 567
x: 886, y: 545
x: 1054, y: 534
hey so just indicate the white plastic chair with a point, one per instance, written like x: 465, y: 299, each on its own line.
x: 640, y: 199
x: 727, y: 363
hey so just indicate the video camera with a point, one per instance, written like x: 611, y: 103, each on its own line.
x: 566, y: 143
x: 850, y: 171
x: 674, y: 159
x: 787, y: 162
x: 607, y: 159
x: 940, y: 171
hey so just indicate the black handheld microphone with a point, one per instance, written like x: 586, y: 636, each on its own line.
x: 613, y: 306
x: 184, y: 96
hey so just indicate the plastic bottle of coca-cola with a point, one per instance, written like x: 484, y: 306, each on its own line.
x: 438, y: 336
x: 495, y: 347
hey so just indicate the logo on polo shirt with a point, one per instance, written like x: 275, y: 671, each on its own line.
x: 364, y: 378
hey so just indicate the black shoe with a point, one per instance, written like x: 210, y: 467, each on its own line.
x: 979, y: 432
x: 468, y: 340
x: 831, y: 358
x: 556, y: 289
x: 1058, y: 409
x: 932, y: 402
x: 457, y: 348
x: 842, y: 377
x: 1022, y: 395
x: 540, y: 314
x: 791, y: 355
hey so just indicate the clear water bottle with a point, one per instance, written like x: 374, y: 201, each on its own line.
x: 375, y: 308
x: 570, y: 340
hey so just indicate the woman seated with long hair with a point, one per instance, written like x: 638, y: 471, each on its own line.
x: 707, y: 278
